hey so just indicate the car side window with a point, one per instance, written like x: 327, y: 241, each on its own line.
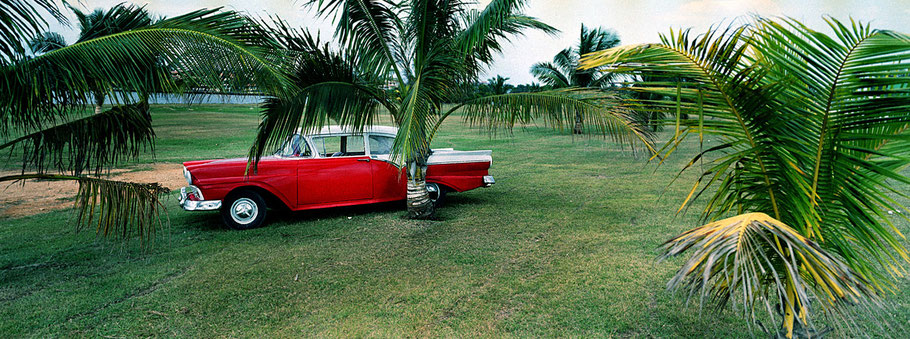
x: 295, y: 147
x: 339, y: 146
x: 380, y: 145
x: 353, y: 145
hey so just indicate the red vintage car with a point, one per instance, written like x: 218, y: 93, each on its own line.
x: 335, y: 167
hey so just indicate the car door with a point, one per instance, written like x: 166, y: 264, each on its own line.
x: 389, y: 182
x: 339, y: 172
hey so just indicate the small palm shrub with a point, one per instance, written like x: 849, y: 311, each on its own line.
x: 813, y: 134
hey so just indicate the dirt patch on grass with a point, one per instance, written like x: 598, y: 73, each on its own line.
x: 34, y: 197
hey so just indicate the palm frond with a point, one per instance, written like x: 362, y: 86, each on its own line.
x: 497, y: 85
x: 119, y: 18
x: 852, y: 95
x: 45, y: 96
x: 481, y: 27
x: 369, y: 27
x: 88, y: 144
x: 564, y: 70
x: 22, y: 20
x: 813, y: 128
x: 437, y: 78
x: 329, y: 87
x: 596, y: 39
x: 709, y: 77
x: 592, y: 40
x: 46, y: 42
x: 431, y: 23
x: 567, y: 61
x: 485, y: 31
x: 601, y: 111
x: 114, y: 209
x: 214, y: 49
x: 550, y: 74
x: 313, y: 107
x: 760, y: 262
x: 416, y: 114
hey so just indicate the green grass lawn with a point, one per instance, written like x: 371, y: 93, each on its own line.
x: 563, y: 245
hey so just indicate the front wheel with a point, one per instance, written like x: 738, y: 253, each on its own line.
x: 243, y: 210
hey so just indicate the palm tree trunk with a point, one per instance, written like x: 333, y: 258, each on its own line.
x: 579, y: 126
x: 99, y: 101
x: 419, y: 204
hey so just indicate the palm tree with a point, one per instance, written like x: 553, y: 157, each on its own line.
x: 409, y: 57
x: 46, y: 42
x: 813, y: 127
x: 100, y: 23
x: 497, y: 86
x: 45, y: 95
x: 532, y: 87
x: 563, y: 71
x: 97, y: 24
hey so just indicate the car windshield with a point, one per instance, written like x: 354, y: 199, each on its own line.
x: 294, y: 147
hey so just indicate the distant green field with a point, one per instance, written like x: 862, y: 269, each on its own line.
x: 563, y: 245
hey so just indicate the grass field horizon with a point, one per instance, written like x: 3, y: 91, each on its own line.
x: 565, y: 244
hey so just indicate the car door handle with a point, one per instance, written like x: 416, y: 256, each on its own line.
x: 367, y: 159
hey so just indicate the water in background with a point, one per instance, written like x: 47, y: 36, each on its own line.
x: 196, y: 99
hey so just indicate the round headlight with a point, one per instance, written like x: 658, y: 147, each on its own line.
x: 186, y: 174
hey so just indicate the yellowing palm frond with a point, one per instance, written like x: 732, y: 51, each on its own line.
x: 759, y: 262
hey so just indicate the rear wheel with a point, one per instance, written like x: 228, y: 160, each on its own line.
x: 437, y: 193
x: 243, y: 210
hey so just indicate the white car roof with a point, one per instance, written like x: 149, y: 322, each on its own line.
x: 336, y: 129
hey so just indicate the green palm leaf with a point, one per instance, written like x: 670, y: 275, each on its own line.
x: 115, y: 209
x: 485, y: 31
x: 329, y: 87
x: 88, y: 144
x: 564, y: 72
x: 550, y: 74
x: 117, y: 19
x: 417, y: 113
x: 852, y: 99
x: 369, y: 27
x: 813, y: 128
x: 719, y: 79
x: 21, y: 20
x: 46, y: 42
x: 558, y: 108
x: 199, y: 46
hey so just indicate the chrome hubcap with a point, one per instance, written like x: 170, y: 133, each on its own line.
x: 244, y: 211
x: 433, y: 191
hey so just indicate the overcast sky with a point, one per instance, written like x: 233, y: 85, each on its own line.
x: 636, y: 21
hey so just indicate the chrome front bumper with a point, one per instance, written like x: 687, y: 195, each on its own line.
x: 191, y: 199
x: 488, y: 181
